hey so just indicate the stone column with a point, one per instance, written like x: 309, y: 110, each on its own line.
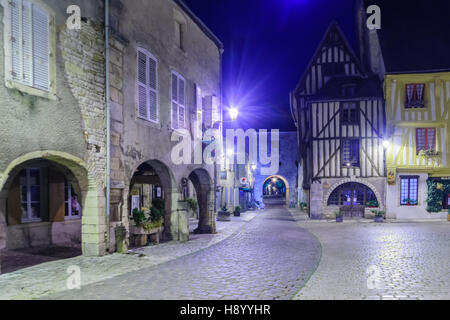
x: 3, y: 225
x: 316, y: 200
x: 94, y: 223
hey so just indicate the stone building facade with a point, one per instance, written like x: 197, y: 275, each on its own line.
x: 52, y: 129
x: 164, y: 78
x: 183, y: 59
x: 288, y: 170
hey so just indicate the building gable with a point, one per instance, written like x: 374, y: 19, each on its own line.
x: 333, y: 57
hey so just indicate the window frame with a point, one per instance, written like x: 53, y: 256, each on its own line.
x: 178, y: 76
x: 426, y: 139
x: 415, y: 104
x: 12, y: 83
x: 148, y: 56
x: 70, y: 216
x: 409, y: 178
x: 349, y: 120
x: 343, y: 162
x: 28, y: 218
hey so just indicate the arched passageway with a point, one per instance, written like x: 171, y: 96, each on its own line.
x: 43, y: 197
x: 354, y: 197
x: 275, y: 191
x: 152, y: 185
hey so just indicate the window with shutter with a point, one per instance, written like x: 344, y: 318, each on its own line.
x: 147, y: 86
x: 199, y: 113
x: 30, y: 44
x: 178, y: 101
x: 425, y: 139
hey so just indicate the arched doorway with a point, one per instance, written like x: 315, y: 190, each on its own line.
x: 275, y: 191
x: 152, y: 186
x: 204, y: 193
x: 353, y: 197
x: 43, y: 197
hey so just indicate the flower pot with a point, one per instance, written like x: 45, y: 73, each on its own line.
x: 448, y: 217
x: 223, y: 216
x: 340, y: 219
x: 237, y: 214
x: 378, y: 219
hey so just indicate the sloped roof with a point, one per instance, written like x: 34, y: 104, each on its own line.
x: 414, y: 35
x: 333, y: 26
x: 200, y: 24
x: 364, y: 88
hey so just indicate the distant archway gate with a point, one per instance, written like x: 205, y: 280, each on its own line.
x: 286, y: 183
x: 91, y: 193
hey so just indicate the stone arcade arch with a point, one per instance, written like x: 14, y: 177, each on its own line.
x: 286, y: 183
x: 204, y: 188
x: 342, y: 182
x: 171, y: 193
x: 90, y: 191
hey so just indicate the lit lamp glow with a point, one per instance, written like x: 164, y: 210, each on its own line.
x: 386, y: 144
x: 254, y: 167
x: 233, y: 113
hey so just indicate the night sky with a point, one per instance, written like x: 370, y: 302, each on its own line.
x: 268, y: 44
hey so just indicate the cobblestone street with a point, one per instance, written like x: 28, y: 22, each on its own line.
x: 393, y: 260
x: 270, y: 258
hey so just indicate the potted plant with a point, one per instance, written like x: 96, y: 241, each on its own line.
x: 193, y: 205
x: 372, y: 204
x: 339, y: 216
x: 378, y: 215
x: 410, y: 202
x: 224, y: 214
x: 303, y: 206
x: 237, y: 211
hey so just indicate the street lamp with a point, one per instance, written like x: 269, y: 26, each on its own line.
x: 233, y: 113
x: 386, y: 144
x: 254, y: 167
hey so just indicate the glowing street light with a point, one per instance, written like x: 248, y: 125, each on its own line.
x: 233, y: 113
x: 386, y: 144
x: 254, y: 167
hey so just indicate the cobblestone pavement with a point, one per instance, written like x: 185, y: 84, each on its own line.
x: 270, y: 258
x: 365, y: 260
x: 51, y: 277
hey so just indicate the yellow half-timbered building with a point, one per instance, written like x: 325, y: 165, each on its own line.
x: 414, y: 65
x: 418, y: 149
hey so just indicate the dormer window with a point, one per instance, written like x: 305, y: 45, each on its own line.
x: 348, y: 91
x: 415, y: 95
x: 180, y: 26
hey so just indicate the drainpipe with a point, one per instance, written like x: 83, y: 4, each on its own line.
x: 108, y: 121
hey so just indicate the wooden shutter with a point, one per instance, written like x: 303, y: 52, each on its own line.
x: 181, y: 103
x: 56, y: 191
x: 16, y: 39
x: 153, y: 89
x: 142, y: 85
x: 41, y: 52
x: 14, y: 203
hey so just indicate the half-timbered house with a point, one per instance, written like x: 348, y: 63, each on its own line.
x: 415, y: 66
x: 339, y: 112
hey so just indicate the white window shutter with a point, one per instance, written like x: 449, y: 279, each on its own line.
x: 27, y: 44
x: 198, y: 102
x: 207, y: 111
x: 181, y: 91
x: 181, y: 115
x: 153, y: 93
x: 215, y: 109
x: 41, y: 52
x: 142, y: 85
x: 16, y: 39
x: 174, y: 115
